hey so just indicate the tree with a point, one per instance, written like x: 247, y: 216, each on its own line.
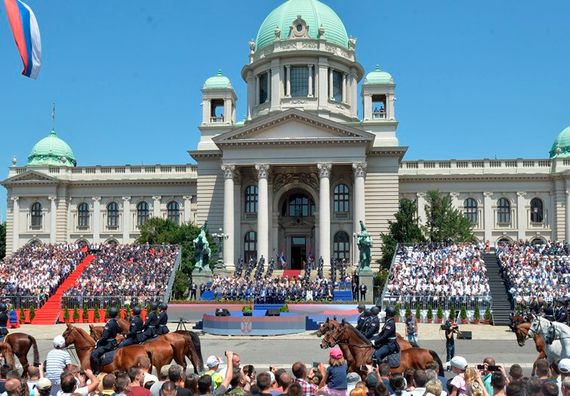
x: 2, y: 240
x: 405, y: 229
x: 444, y: 222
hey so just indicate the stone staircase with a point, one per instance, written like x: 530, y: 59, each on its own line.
x: 502, y: 306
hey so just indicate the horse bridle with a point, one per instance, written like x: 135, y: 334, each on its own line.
x: 337, y: 341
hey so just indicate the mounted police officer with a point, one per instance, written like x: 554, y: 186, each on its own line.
x: 361, y: 317
x: 151, y: 323
x: 3, y: 321
x: 549, y: 313
x: 385, y: 341
x: 163, y: 319
x: 561, y: 313
x: 372, y: 324
x: 134, y: 336
x: 108, y: 341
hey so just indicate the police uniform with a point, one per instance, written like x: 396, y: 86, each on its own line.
x: 134, y: 336
x: 107, y: 342
x: 372, y: 326
x: 163, y: 321
x: 150, y: 326
x: 561, y: 314
x: 385, y: 342
x: 361, y: 321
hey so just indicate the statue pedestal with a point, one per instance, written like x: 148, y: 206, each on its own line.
x: 366, y: 277
x: 202, y: 277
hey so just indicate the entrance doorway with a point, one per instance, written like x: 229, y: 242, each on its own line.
x: 298, y: 252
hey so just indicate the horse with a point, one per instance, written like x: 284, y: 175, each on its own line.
x: 552, y: 331
x: 186, y: 344
x: 125, y: 358
x: 20, y: 344
x: 362, y: 350
x: 521, y: 329
x: 8, y: 354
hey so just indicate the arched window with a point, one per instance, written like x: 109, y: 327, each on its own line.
x: 83, y: 215
x: 112, y: 215
x: 341, y: 198
x: 173, y: 212
x: 36, y: 212
x: 536, y: 210
x: 503, y: 211
x: 142, y: 213
x: 470, y: 210
x: 251, y: 199
x: 341, y: 246
x: 250, y: 246
x: 298, y: 205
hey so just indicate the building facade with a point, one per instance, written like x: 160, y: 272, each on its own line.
x: 298, y: 175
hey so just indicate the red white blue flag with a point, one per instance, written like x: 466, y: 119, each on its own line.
x: 26, y: 34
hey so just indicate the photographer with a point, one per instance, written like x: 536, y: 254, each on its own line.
x: 451, y: 329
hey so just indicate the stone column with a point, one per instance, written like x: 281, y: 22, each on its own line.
x: 567, y: 236
x: 488, y: 215
x: 250, y: 94
x: 53, y: 220
x: 187, y: 209
x: 262, y: 212
x: 206, y: 111
x: 421, y: 204
x: 324, y: 212
x: 126, y: 219
x: 156, y: 206
x: 275, y: 84
x: 288, y: 77
x: 344, y: 88
x: 310, y: 81
x: 96, y: 219
x: 257, y: 98
x: 15, y: 224
x: 521, y: 215
x: 229, y: 215
x: 359, y: 197
x: 391, y: 110
x: 367, y: 107
x: 331, y: 85
x: 353, y: 93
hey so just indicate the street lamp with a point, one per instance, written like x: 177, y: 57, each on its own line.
x: 220, y: 236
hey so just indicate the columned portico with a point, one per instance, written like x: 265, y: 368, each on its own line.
x: 324, y: 212
x: 16, y: 224
x: 262, y: 212
x: 229, y: 229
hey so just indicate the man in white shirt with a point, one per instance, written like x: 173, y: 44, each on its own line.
x: 57, y: 360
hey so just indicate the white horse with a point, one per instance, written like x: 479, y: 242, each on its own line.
x: 556, y: 337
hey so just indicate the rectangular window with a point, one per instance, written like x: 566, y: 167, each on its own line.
x: 299, y: 81
x: 263, y: 87
x: 337, y: 78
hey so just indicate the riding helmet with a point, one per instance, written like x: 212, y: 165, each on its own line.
x: 163, y: 306
x: 113, y: 312
x: 390, y: 312
x: 375, y: 311
x: 136, y: 310
x: 3, y: 307
x: 361, y: 307
x: 153, y: 306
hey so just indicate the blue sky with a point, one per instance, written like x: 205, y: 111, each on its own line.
x: 474, y: 79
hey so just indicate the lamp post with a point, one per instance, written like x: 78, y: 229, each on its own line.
x: 220, y: 236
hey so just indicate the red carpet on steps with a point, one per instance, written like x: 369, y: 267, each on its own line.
x: 290, y: 273
x: 47, y: 314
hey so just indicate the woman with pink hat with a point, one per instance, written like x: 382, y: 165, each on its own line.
x: 335, y: 375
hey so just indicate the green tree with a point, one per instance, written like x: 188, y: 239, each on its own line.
x: 444, y: 222
x: 2, y: 240
x: 405, y: 229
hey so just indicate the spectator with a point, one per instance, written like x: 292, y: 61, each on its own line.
x: 69, y: 384
x: 264, y: 384
x: 300, y: 372
x: 205, y: 381
x: 43, y: 387
x: 168, y: 388
x: 515, y: 372
x: 176, y: 375
x: 498, y: 382
x: 488, y: 362
x: 191, y: 383
x: 146, y: 366
x: 213, y: 364
x: 33, y: 378
x: 335, y: 375
x: 542, y: 369
x: 548, y: 388
x: 516, y: 388
x: 57, y: 361
x: 565, y: 388
x: 108, y: 385
x: 136, y: 375
x: 474, y: 383
x: 435, y: 367
x: 398, y: 384
x: 240, y: 383
x: 13, y: 387
x: 122, y: 384
x: 458, y: 384
x: 433, y: 387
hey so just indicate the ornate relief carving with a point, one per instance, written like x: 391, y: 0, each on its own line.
x: 309, y: 45
x: 311, y: 179
x: 324, y: 169
x: 262, y: 171
x: 229, y: 171
x: 299, y: 29
x: 359, y: 169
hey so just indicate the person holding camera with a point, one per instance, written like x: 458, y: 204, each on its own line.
x: 451, y: 330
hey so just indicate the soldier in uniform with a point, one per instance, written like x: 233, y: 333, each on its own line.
x: 134, y: 336
x: 151, y: 323
x: 108, y: 341
x: 3, y: 321
x: 363, y: 290
x: 373, y: 323
x: 193, y: 289
x: 163, y: 319
x: 361, y: 317
x: 385, y: 341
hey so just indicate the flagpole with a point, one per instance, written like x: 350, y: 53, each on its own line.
x: 53, y: 117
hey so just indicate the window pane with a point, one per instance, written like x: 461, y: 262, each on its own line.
x: 173, y: 212
x: 251, y: 199
x: 113, y: 215
x: 142, y: 213
x: 299, y: 81
x: 536, y: 211
x: 341, y: 246
x: 83, y: 215
x: 337, y: 86
x: 341, y: 199
x: 470, y: 210
x: 503, y: 211
x: 263, y: 87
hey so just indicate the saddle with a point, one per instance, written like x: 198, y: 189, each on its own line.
x: 108, y: 357
x: 393, y: 359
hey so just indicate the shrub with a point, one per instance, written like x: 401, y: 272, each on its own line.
x: 32, y: 313
x: 477, y: 313
x: 66, y: 314
x: 85, y: 314
x: 397, y: 308
x: 284, y: 308
x: 488, y: 313
x: 440, y: 312
x: 75, y: 314
x: 22, y: 315
x: 418, y: 312
x: 430, y: 313
x: 452, y: 313
x: 408, y: 311
x: 463, y: 312
x: 247, y: 309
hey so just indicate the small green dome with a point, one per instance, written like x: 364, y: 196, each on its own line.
x: 378, y: 77
x: 313, y: 12
x: 219, y: 81
x: 561, y: 146
x: 51, y: 151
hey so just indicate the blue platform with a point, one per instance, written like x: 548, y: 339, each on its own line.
x: 342, y: 295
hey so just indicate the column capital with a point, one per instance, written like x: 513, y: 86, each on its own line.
x: 262, y: 170
x: 187, y: 197
x: 324, y: 169
x: 156, y: 198
x: 488, y: 194
x: 421, y: 195
x: 522, y: 194
x: 359, y: 169
x: 15, y: 198
x: 96, y: 199
x: 454, y: 195
x: 52, y: 198
x: 126, y: 199
x: 229, y: 171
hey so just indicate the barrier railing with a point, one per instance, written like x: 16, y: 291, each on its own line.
x: 24, y: 301
x: 168, y: 292
x: 444, y: 302
x: 105, y: 301
x: 382, y: 305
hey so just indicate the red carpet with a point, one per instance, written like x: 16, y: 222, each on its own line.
x: 47, y: 315
x: 290, y: 273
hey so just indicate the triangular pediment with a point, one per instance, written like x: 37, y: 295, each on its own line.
x: 293, y: 126
x: 29, y: 176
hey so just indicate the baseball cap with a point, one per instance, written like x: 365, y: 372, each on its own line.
x: 336, y: 353
x: 458, y: 362
x: 371, y: 380
x: 212, y: 361
x: 43, y: 384
x: 564, y: 366
x: 271, y: 375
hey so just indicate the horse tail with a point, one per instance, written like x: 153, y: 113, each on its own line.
x: 35, y: 350
x: 436, y: 358
x: 197, y: 346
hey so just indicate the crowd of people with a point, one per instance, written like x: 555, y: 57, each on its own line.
x: 536, y: 271
x: 438, y: 272
x: 127, y: 270
x: 37, y: 270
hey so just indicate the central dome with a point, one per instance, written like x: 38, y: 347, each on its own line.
x: 51, y: 151
x: 313, y: 12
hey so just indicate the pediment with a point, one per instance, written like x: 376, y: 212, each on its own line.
x: 293, y: 126
x: 30, y: 176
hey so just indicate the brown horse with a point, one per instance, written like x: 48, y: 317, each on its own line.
x: 21, y: 343
x: 362, y: 350
x: 160, y: 354
x: 6, y: 352
x: 520, y: 327
x: 186, y: 344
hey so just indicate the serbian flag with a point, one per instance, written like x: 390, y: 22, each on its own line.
x: 26, y: 34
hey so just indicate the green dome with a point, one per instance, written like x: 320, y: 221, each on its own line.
x: 51, y: 151
x: 219, y: 81
x: 313, y: 12
x: 561, y: 146
x: 378, y: 77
